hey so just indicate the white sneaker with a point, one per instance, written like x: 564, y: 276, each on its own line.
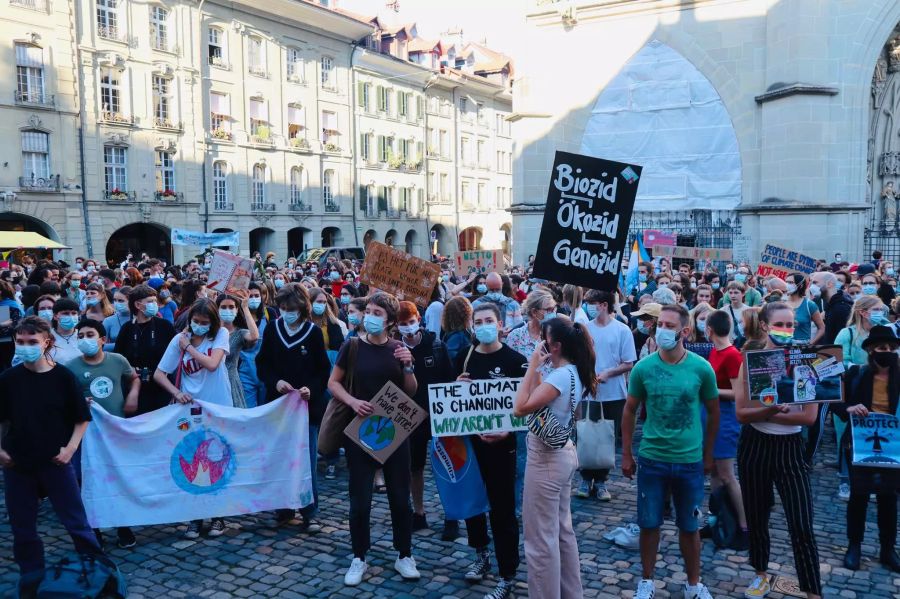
x: 645, y: 590
x: 844, y: 492
x: 406, y: 566
x: 355, y: 573
x: 602, y: 492
x: 698, y: 592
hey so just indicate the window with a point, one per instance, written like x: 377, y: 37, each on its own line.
x: 29, y: 73
x: 256, y: 59
x: 294, y: 65
x: 434, y: 104
x: 384, y: 148
x: 329, y: 127
x: 479, y: 154
x: 216, y: 47
x: 384, y: 99
x: 466, y: 195
x: 328, y: 190
x: 159, y: 28
x: 108, y: 18
x: 109, y: 91
x: 296, y: 186
x: 370, y: 199
x: 258, y: 198
x: 165, y: 172
x: 35, y: 155
x: 161, y: 102
x: 327, y: 73
x: 219, y: 120
x: 220, y: 185
x: 364, y: 91
x: 403, y: 150
x: 403, y: 104
x: 464, y: 150
x: 296, y: 122
x: 479, y: 112
x: 481, y: 198
x: 259, y: 120
x: 444, y: 146
x: 365, y: 147
x: 445, y: 186
x: 115, y: 168
x: 463, y: 107
x: 503, y: 126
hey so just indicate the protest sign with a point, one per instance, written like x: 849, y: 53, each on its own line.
x: 690, y: 253
x: 653, y: 237
x: 201, y: 239
x: 227, y: 272
x: 780, y: 262
x: 585, y: 226
x: 398, y: 273
x: 479, y: 262
x: 876, y: 440
x: 474, y: 407
x: 192, y: 461
x: 396, y: 416
x: 740, y: 249
x: 801, y: 374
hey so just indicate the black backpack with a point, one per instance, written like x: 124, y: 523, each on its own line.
x: 75, y: 577
x: 725, y: 529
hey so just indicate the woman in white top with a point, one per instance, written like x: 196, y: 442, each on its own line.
x: 770, y: 452
x: 551, y: 549
x: 735, y: 306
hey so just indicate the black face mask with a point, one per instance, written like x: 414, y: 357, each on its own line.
x: 884, y: 359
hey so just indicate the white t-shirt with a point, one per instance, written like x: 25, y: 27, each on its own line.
x: 65, y: 348
x: 433, y: 317
x: 561, y: 379
x: 200, y: 383
x: 580, y: 316
x: 613, y: 346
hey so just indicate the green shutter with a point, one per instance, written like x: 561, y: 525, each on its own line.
x: 380, y: 97
x: 360, y: 94
x: 382, y: 198
x: 362, y: 198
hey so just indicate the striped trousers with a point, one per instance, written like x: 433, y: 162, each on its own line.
x: 765, y: 460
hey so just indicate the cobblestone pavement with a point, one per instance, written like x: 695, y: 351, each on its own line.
x: 253, y: 559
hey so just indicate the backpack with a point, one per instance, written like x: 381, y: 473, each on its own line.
x: 724, y: 522
x: 77, y: 576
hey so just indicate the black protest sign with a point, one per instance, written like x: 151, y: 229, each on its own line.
x: 586, y: 221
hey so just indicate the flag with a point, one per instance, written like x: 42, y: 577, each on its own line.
x: 458, y: 478
x: 638, y: 254
x: 192, y: 461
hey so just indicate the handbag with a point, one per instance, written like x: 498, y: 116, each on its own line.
x: 595, y: 443
x: 81, y: 577
x: 544, y: 424
x: 338, y: 414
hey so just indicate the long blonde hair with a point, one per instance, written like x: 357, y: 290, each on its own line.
x: 866, y: 302
x: 699, y: 309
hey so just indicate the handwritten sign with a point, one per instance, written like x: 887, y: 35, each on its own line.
x: 876, y: 440
x: 399, y: 273
x: 476, y: 407
x: 653, y: 237
x: 675, y: 251
x: 227, y: 271
x: 780, y: 262
x: 801, y: 374
x: 480, y: 262
x: 396, y: 416
x: 585, y: 227
x: 740, y: 249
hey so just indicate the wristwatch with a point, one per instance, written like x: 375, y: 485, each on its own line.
x: 409, y: 369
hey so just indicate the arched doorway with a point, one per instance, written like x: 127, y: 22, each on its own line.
x: 884, y: 154
x: 262, y: 240
x: 13, y: 221
x: 369, y: 236
x: 297, y: 240
x: 441, y: 241
x: 391, y: 237
x: 137, y: 238
x: 506, y: 238
x: 223, y: 230
x: 412, y: 245
x: 470, y: 239
x: 331, y: 236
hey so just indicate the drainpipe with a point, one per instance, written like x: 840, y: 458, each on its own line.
x: 203, y: 96
x: 456, y: 165
x: 353, y: 144
x: 89, y: 243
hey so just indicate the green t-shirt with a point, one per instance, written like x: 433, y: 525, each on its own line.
x: 673, y: 393
x: 103, y: 382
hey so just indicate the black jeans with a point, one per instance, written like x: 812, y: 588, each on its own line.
x: 612, y: 410
x: 396, y: 477
x: 887, y: 517
x: 497, y: 463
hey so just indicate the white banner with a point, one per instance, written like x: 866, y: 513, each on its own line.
x: 475, y: 407
x: 200, y: 460
x: 201, y: 239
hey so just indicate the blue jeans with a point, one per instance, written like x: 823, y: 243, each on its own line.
x: 313, y: 508
x: 685, y: 481
x: 254, y: 390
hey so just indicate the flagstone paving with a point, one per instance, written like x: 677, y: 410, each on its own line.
x: 253, y: 559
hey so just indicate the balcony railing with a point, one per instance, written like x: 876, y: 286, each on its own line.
x: 33, y: 183
x: 392, y: 213
x: 257, y: 70
x: 117, y: 195
x: 168, y: 196
x: 219, y: 62
x: 35, y: 98
x: 300, y: 207
x: 223, y: 207
x: 259, y: 207
x: 371, y: 212
x: 265, y: 140
x: 43, y: 5
x: 299, y: 143
x: 112, y: 33
x: 116, y: 118
x: 221, y: 135
x: 329, y: 207
x: 167, y: 124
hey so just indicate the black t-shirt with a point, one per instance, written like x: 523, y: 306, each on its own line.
x: 432, y: 366
x: 143, y: 345
x: 42, y: 410
x: 375, y: 366
x: 505, y: 363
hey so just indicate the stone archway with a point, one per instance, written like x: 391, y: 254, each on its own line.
x: 137, y: 238
x: 297, y: 240
x: 262, y: 240
x: 391, y: 237
x: 470, y: 239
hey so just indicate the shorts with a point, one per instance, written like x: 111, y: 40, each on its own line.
x: 684, y: 481
x: 725, y: 446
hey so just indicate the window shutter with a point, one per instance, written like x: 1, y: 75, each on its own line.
x: 380, y: 97
x: 360, y: 91
x: 420, y: 150
x: 362, y: 198
x: 382, y: 198
x: 420, y: 107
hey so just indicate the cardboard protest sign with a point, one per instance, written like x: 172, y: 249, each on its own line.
x: 585, y: 227
x: 801, y: 374
x: 479, y: 261
x: 396, y: 416
x: 398, y: 273
x: 781, y: 262
x: 675, y: 251
x: 740, y: 248
x: 876, y: 440
x: 475, y: 407
x: 227, y: 271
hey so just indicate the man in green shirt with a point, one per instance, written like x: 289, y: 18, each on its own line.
x: 675, y: 451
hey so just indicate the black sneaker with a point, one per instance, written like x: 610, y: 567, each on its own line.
x: 308, y: 525
x: 125, y: 538
x: 419, y: 522
x: 193, y: 529
x: 283, y: 517
x: 217, y: 528
x: 503, y: 590
x: 330, y: 472
x: 451, y: 530
x: 480, y: 567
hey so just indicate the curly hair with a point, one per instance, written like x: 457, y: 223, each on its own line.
x: 457, y: 315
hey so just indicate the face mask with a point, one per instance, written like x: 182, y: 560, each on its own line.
x: 78, y: 265
x: 199, y: 329
x: 548, y: 316
x: 486, y: 333
x: 91, y: 302
x: 374, y: 324
x: 816, y: 291
x: 729, y: 271
x: 227, y: 315
x: 591, y: 311
x: 482, y: 288
x: 854, y: 296
x: 446, y: 278
x: 877, y: 318
x: 791, y: 288
x: 494, y: 295
x: 716, y: 285
x: 345, y: 299
x: 165, y: 295
x: 46, y: 314
x: 781, y: 336
x: 740, y: 277
x: 335, y: 275
x: 666, y: 338
x: 151, y: 309
x: 29, y: 353
x: 701, y: 326
x: 869, y: 289
x: 290, y: 317
x: 885, y: 359
x: 279, y: 283
x: 313, y: 271
x: 88, y: 347
x: 254, y: 302
x: 354, y: 320
x: 408, y: 331
x: 67, y: 322
x: 73, y: 284
x: 91, y: 268
x: 890, y: 272
x: 318, y: 309
x: 642, y: 278
x: 693, y: 284
x: 643, y: 328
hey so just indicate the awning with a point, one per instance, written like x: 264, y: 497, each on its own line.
x: 19, y: 240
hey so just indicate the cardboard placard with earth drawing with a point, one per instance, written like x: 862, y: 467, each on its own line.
x: 396, y: 416
x: 398, y: 273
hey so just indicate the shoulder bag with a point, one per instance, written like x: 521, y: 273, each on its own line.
x: 338, y: 414
x: 595, y: 442
x: 544, y: 424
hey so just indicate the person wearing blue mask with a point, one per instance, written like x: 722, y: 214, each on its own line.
x: 234, y: 311
x: 8, y: 300
x: 510, y: 310
x: 65, y: 339
x: 646, y: 284
x: 262, y: 315
x: 806, y: 311
x: 122, y: 314
x: 645, y: 329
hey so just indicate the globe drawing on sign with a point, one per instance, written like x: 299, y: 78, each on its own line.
x: 202, y: 462
x: 452, y: 455
x: 377, y: 432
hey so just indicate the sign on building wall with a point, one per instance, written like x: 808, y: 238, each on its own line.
x: 781, y: 262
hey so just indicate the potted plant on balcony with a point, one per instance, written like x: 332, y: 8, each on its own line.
x: 299, y: 142
x: 413, y: 165
x: 167, y: 193
x: 118, y: 194
x: 263, y: 134
x: 332, y: 147
x: 394, y: 161
x: 222, y: 134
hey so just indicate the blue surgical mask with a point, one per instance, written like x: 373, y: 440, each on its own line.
x: 92, y: 301
x: 335, y: 275
x: 591, y: 311
x: 642, y: 278
x: 374, y: 324
x: 319, y: 309
x: 838, y: 285
x: 729, y: 271
x: 122, y: 307
x: 408, y: 331
x: 548, y: 316
x: 481, y: 288
x: 486, y: 333
x: 67, y: 322
x: 354, y: 320
x: 290, y: 317
x: 446, y: 278
x: 715, y: 285
x: 494, y: 295
x: 151, y: 309
x: 816, y: 291
x: 164, y: 295
x: 643, y: 328
x: 199, y: 329
x: 254, y: 302
x: 29, y: 353
x: 877, y: 317
x: 740, y: 277
x: 701, y: 326
x: 869, y: 289
x: 46, y: 314
x: 890, y: 272
x: 279, y: 283
x: 88, y: 347
x: 345, y: 299
x: 227, y: 315
x: 666, y: 338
